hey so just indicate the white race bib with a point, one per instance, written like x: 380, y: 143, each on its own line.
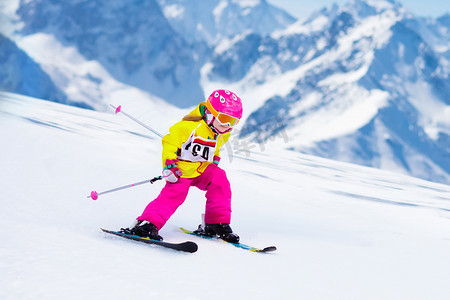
x: 198, y: 149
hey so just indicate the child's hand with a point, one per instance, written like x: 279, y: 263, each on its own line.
x: 170, y: 172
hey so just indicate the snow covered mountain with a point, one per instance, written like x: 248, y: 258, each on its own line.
x: 215, y: 21
x: 342, y: 231
x: 132, y: 40
x: 366, y: 83
x: 20, y: 74
x: 137, y: 45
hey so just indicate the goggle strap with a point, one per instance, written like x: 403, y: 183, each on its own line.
x: 211, y: 109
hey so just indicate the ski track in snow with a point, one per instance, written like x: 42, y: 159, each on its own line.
x: 342, y: 231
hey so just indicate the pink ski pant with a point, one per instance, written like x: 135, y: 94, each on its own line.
x: 218, y: 198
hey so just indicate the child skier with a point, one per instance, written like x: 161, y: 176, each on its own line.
x: 190, y: 156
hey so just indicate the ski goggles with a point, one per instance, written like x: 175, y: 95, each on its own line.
x: 223, y: 119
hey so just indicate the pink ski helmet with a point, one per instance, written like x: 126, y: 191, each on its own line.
x: 225, y: 106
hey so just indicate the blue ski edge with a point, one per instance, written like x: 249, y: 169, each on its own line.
x: 239, y: 245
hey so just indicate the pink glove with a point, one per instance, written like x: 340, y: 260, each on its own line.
x: 170, y: 172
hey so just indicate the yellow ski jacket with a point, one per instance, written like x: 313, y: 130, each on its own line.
x: 194, y: 144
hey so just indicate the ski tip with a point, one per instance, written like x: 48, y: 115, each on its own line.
x: 185, y: 230
x: 270, y: 249
x: 190, y: 247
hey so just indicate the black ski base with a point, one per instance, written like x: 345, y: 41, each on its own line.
x: 188, y: 246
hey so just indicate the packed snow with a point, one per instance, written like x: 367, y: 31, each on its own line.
x: 342, y: 231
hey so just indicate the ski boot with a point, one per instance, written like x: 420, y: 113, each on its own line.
x: 144, y: 229
x: 222, y: 230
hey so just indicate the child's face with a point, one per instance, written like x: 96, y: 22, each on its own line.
x: 220, y: 127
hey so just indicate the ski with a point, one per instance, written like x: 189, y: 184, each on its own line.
x: 188, y: 246
x: 239, y: 245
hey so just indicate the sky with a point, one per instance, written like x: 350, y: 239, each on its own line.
x: 303, y: 8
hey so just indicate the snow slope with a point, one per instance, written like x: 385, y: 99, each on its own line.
x: 342, y: 231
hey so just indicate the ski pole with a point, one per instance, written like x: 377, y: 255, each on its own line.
x: 94, y: 195
x: 118, y: 109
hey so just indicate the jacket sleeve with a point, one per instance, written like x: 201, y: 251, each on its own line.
x: 178, y: 134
